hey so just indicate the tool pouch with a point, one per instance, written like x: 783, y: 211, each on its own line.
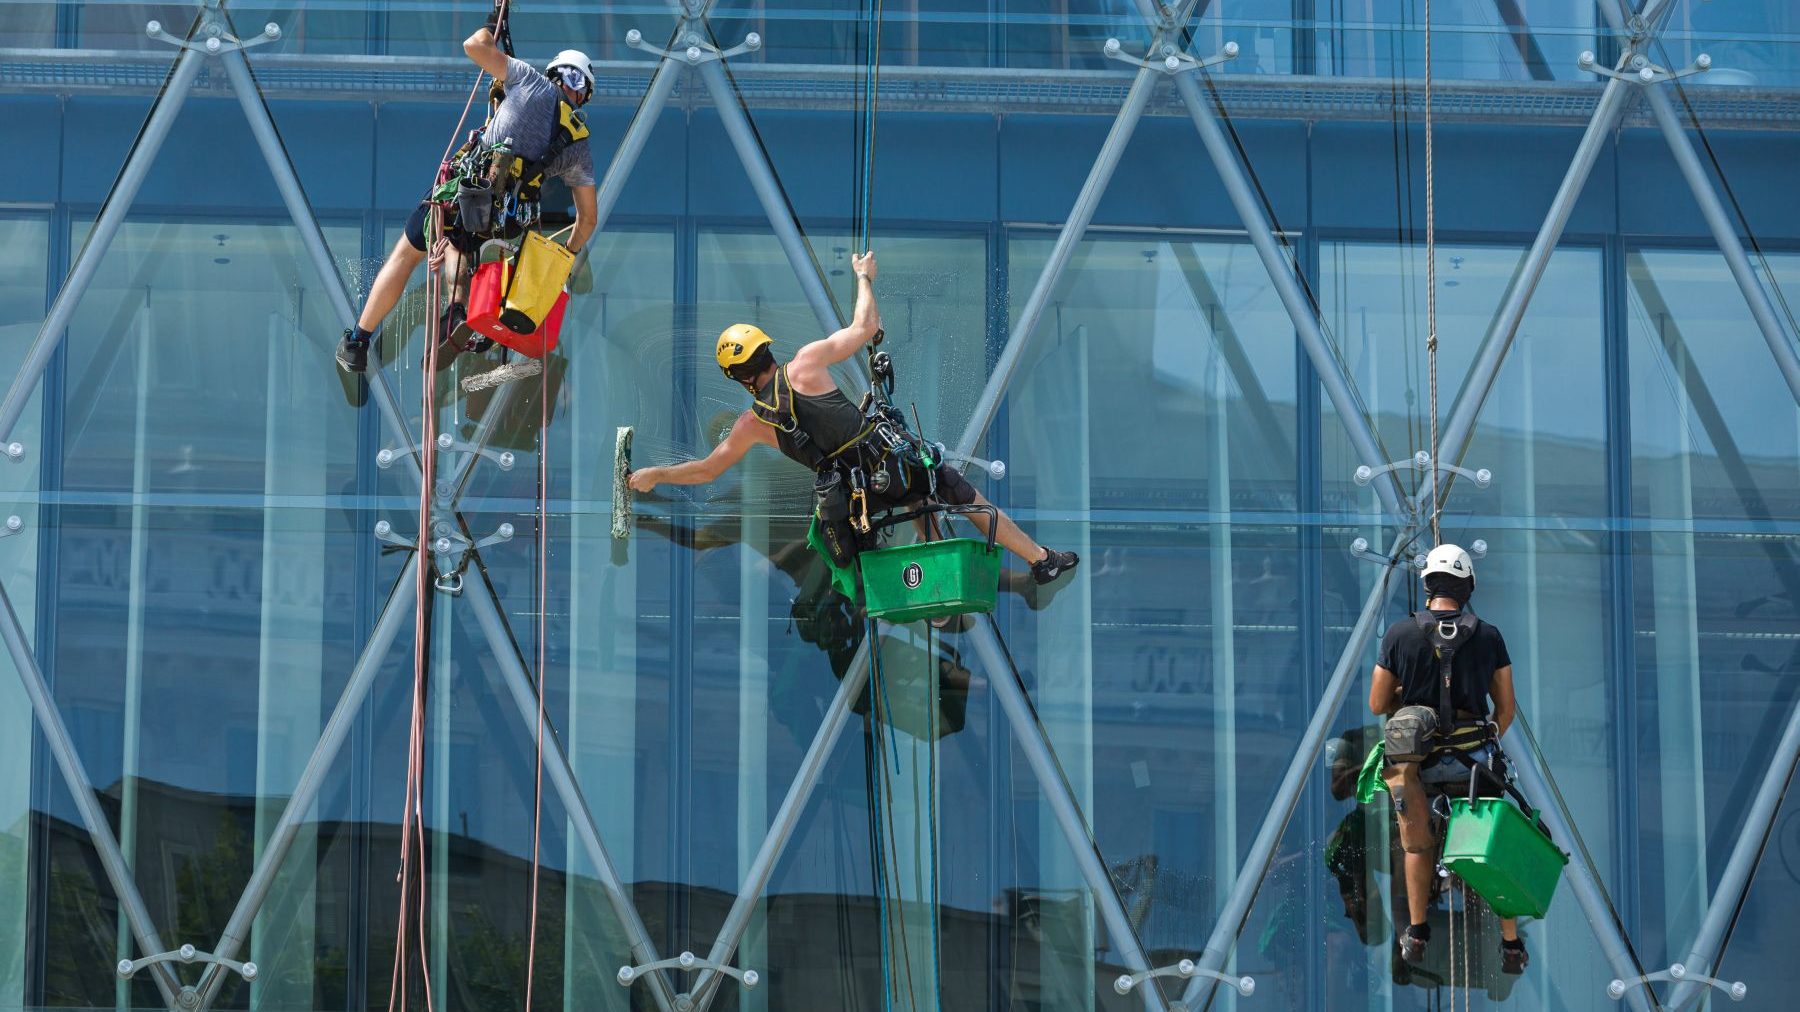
x: 475, y: 208
x: 1410, y: 734
x: 1411, y: 811
x: 833, y: 506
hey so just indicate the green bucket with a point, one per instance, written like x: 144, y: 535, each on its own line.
x: 930, y: 579
x: 1503, y: 855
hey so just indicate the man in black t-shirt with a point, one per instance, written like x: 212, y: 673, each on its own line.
x: 1408, y: 676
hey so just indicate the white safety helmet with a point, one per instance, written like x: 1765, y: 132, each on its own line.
x: 578, y: 71
x: 1450, y: 560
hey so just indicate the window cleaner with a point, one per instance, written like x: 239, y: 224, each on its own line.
x: 866, y: 462
x: 1435, y: 676
x: 486, y: 203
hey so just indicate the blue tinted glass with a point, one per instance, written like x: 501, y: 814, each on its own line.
x: 1152, y: 282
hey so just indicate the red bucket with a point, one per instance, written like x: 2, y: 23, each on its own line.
x: 487, y: 298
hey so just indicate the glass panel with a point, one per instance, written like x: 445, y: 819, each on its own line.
x: 1713, y: 471
x: 1509, y: 40
x: 1541, y: 431
x: 1157, y: 401
x: 22, y: 273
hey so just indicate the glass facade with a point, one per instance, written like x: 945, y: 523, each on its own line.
x: 1183, y: 307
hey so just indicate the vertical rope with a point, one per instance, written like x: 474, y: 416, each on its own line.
x: 412, y: 821
x: 543, y: 601
x: 865, y: 211
x: 1431, y: 335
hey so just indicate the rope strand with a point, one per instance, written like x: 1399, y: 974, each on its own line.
x: 543, y: 600
x: 1431, y: 334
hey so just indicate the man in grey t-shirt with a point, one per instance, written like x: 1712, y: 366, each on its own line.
x: 527, y: 121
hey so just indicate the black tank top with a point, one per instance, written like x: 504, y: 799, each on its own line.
x: 809, y: 428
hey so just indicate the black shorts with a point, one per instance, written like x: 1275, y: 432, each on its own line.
x: 415, y: 232
x: 952, y: 488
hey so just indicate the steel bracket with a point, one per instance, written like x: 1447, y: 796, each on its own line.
x: 216, y: 39
x: 1186, y: 969
x: 1641, y: 70
x: 503, y: 459
x: 1360, y: 549
x: 14, y: 524
x: 1736, y: 989
x: 15, y: 451
x: 996, y: 469
x: 1421, y: 461
x: 688, y: 962
x: 693, y: 47
x: 1168, y: 58
x: 189, y: 996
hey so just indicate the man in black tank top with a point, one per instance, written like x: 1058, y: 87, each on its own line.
x: 1409, y: 675
x: 799, y: 410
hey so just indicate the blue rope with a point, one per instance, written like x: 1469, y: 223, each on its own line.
x: 877, y: 803
x: 871, y: 87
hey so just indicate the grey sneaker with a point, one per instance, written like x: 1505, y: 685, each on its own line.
x: 1513, y: 959
x: 1053, y: 565
x: 1412, y: 947
x: 517, y: 369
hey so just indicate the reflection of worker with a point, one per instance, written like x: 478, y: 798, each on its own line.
x: 1436, y: 672
x: 799, y: 411
x: 537, y: 123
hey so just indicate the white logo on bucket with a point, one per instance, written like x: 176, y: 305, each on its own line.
x: 912, y: 576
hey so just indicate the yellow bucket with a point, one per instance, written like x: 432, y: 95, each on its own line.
x: 538, y: 274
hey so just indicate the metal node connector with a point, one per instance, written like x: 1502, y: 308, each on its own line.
x: 687, y: 962
x: 384, y: 533
x: 14, y: 524
x: 1186, y: 969
x: 996, y: 469
x: 693, y: 47
x: 1167, y: 57
x: 15, y: 450
x: 1736, y: 989
x: 1638, y: 69
x: 1421, y: 461
x: 216, y: 39
x: 1359, y: 548
x: 128, y: 968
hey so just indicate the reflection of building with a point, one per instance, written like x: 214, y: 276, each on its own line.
x: 824, y: 950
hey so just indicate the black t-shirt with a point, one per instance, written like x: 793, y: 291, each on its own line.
x: 1406, y: 651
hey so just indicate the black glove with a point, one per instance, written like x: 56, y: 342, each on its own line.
x: 493, y: 22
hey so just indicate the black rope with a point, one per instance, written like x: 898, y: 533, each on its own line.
x: 1731, y: 195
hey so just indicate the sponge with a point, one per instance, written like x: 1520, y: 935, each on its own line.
x: 621, y: 499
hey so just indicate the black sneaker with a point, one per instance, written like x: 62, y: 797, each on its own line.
x: 353, y: 355
x: 1412, y: 947
x: 1053, y: 565
x: 1513, y: 959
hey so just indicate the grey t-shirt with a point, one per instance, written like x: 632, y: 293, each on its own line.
x: 528, y: 116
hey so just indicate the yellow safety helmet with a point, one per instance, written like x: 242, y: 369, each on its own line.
x: 738, y: 343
